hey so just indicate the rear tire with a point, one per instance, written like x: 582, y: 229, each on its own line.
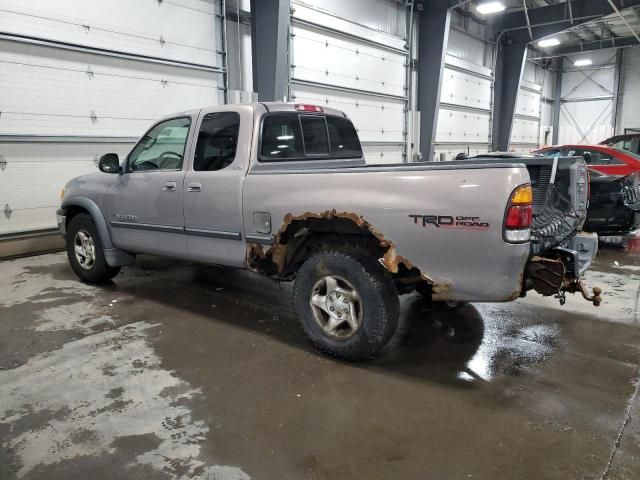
x: 347, y: 303
x: 85, y: 253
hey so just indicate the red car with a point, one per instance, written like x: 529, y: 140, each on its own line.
x: 602, y: 158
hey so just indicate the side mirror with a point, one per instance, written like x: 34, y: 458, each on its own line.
x: 109, y: 163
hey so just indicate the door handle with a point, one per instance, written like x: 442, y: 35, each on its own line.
x: 169, y: 187
x: 194, y: 187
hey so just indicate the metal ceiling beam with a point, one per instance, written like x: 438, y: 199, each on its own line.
x: 595, y: 45
x: 526, y: 16
x: 553, y: 19
x: 633, y: 32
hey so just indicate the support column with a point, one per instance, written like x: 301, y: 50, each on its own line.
x: 508, y: 73
x: 432, y: 48
x: 269, y: 44
x: 558, y: 63
x: 616, y: 91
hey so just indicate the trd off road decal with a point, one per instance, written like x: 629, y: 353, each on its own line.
x: 460, y: 222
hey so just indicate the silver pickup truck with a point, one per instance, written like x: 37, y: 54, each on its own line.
x: 283, y: 190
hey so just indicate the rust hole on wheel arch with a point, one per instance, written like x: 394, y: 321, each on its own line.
x: 274, y: 259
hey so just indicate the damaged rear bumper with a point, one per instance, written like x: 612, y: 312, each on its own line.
x: 560, y: 270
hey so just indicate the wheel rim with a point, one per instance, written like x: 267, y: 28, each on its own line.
x: 336, y: 307
x: 84, y: 249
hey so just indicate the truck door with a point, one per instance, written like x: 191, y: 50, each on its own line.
x: 213, y: 186
x: 145, y: 204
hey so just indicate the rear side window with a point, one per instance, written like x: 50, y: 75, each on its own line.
x: 343, y: 138
x: 217, y: 141
x: 314, y: 131
x: 281, y: 138
x: 292, y: 136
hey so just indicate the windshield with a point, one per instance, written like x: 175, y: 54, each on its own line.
x: 635, y: 156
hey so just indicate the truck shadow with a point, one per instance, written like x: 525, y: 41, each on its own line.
x: 434, y: 341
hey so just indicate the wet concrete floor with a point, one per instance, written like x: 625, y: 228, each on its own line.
x: 178, y: 371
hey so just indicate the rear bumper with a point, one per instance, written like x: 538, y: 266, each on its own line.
x: 61, y: 220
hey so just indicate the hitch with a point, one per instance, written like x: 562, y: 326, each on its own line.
x: 579, y: 286
x: 596, y: 299
x: 549, y: 276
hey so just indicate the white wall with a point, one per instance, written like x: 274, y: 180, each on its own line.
x: 629, y: 93
x: 587, y: 121
x: 466, y: 48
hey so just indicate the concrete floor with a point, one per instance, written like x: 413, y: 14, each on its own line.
x: 180, y: 371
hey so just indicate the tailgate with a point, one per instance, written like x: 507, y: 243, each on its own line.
x: 561, y: 195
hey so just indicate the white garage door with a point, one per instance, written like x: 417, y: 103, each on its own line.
x: 464, y: 117
x: 355, y: 69
x: 78, y: 80
x: 525, y: 132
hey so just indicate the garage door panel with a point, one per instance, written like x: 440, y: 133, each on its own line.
x: 528, y: 103
x: 18, y: 124
x: 50, y: 91
x: 36, y: 172
x: 28, y: 220
x: 188, y: 28
x: 77, y: 99
x: 525, y: 131
x: 382, y: 154
x: 459, y: 88
x: 328, y: 58
x: 375, y: 118
x: 462, y: 126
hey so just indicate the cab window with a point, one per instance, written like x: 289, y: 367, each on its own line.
x: 281, y: 138
x: 162, y: 147
x: 314, y: 134
x: 217, y: 141
x: 292, y: 136
x: 343, y: 138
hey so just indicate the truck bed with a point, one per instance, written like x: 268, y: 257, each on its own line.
x: 408, y: 207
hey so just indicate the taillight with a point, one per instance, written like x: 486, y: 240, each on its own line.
x: 517, y: 218
x: 308, y: 108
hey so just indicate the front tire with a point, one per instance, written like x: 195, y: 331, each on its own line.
x: 347, y: 304
x: 85, y: 253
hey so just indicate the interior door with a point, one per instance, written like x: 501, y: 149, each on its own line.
x: 145, y: 205
x: 213, y: 186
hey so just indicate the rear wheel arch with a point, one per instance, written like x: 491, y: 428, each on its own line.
x: 302, y: 237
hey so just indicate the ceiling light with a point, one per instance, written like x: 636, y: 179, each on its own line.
x: 548, y: 42
x: 487, y: 8
x: 582, y: 63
